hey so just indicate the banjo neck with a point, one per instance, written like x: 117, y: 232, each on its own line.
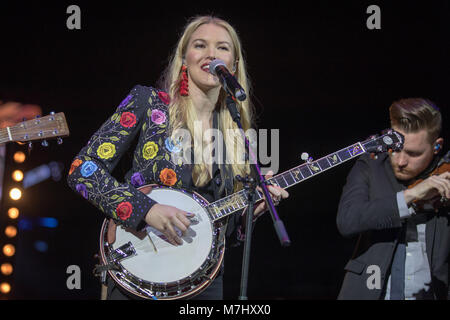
x: 239, y: 200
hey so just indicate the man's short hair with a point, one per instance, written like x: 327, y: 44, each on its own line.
x: 415, y: 114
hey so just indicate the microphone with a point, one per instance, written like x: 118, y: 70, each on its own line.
x: 218, y: 68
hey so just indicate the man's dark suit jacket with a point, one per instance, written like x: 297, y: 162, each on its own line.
x: 368, y: 208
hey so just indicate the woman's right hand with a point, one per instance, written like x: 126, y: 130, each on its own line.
x: 165, y: 218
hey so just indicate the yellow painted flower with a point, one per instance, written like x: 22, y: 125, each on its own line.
x: 150, y: 150
x: 106, y: 150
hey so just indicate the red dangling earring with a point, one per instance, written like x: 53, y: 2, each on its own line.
x: 184, y: 85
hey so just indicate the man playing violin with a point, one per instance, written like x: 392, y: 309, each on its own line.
x: 397, y: 204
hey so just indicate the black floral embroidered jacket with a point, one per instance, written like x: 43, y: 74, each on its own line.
x: 142, y: 114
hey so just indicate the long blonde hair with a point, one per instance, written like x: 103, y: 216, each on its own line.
x: 181, y: 109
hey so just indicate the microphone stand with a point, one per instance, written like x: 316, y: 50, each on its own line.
x: 250, y: 184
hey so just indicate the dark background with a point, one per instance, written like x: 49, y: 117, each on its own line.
x: 319, y: 75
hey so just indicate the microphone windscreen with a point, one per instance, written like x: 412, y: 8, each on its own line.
x: 213, y: 64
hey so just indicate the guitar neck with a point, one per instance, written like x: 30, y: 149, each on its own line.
x: 239, y: 200
x: 48, y: 127
x: 4, y: 137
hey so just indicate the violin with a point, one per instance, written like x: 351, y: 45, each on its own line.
x: 438, y: 201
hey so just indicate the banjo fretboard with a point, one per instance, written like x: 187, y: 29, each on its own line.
x: 239, y: 200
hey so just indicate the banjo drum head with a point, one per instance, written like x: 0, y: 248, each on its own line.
x: 157, y: 260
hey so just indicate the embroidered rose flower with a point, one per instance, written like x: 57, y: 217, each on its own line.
x: 75, y: 164
x: 158, y: 117
x: 124, y: 210
x: 168, y: 177
x: 171, y: 146
x: 81, y: 188
x: 88, y: 168
x: 127, y: 120
x: 106, y: 150
x: 125, y: 101
x: 137, y: 179
x: 164, y: 97
x: 150, y: 150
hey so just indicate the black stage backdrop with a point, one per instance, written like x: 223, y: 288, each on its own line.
x: 319, y: 74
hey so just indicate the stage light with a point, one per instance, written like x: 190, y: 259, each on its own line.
x: 25, y: 224
x: 17, y: 175
x: 15, y: 194
x: 10, y: 231
x: 5, y: 287
x: 42, y: 173
x: 6, y: 268
x: 13, y: 213
x: 9, y: 250
x: 41, y: 246
x: 48, y: 222
x: 19, y: 157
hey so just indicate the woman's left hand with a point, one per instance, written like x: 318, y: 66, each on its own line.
x: 276, y: 193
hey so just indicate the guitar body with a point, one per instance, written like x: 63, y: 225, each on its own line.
x: 146, y: 265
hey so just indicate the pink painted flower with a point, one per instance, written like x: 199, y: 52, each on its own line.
x: 158, y: 117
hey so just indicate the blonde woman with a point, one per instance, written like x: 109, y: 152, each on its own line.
x: 192, y: 101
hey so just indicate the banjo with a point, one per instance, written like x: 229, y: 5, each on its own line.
x: 146, y: 265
